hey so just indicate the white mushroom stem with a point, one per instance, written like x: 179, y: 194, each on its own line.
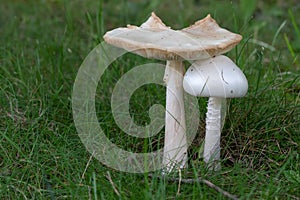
x: 213, y: 133
x: 175, y: 145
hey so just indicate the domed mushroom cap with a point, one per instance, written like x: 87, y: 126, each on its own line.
x: 153, y: 39
x: 215, y: 77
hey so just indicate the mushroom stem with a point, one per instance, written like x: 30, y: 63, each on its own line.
x: 175, y: 145
x: 213, y: 133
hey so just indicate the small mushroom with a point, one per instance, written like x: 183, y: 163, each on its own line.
x: 153, y: 39
x: 216, y: 78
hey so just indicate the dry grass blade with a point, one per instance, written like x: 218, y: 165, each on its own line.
x: 112, y: 184
x: 201, y: 180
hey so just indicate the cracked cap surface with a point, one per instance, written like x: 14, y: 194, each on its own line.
x: 153, y: 39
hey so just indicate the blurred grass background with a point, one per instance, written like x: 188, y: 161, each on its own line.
x: 42, y: 45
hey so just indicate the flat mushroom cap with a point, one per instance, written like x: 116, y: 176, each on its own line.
x: 153, y: 39
x: 215, y: 77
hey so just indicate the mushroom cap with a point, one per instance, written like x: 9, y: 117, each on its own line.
x: 153, y: 39
x: 215, y: 77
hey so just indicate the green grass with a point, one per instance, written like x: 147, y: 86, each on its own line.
x: 42, y: 45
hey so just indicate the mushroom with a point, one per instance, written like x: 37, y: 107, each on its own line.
x: 216, y: 78
x: 153, y: 39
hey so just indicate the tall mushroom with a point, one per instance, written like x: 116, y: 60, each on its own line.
x: 153, y: 39
x: 216, y: 78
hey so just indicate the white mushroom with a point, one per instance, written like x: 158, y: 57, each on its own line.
x: 153, y: 39
x: 216, y: 78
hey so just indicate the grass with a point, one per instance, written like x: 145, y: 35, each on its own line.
x: 42, y: 45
